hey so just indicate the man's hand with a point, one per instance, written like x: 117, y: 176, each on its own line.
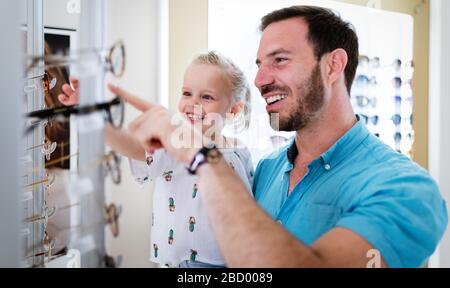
x: 154, y: 129
x: 71, y: 93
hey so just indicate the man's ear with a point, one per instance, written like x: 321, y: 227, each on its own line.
x: 336, y: 62
x: 236, y: 109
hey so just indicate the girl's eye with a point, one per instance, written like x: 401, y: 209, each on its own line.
x: 208, y: 97
x: 187, y: 94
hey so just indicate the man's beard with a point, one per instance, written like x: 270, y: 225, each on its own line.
x: 309, y: 102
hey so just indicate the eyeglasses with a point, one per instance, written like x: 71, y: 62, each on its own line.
x: 374, y: 62
x: 47, y: 148
x: 363, y: 101
x: 46, y: 248
x: 363, y: 80
x: 47, y: 181
x: 45, y: 216
x: 398, y: 140
x: 372, y: 119
x: 397, y: 119
x: 397, y: 82
x: 112, y: 163
x: 112, y: 213
x: 398, y: 100
x: 113, y: 58
x: 47, y: 83
x: 114, y: 109
x: 398, y: 64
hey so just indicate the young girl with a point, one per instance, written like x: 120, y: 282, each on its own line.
x: 181, y: 236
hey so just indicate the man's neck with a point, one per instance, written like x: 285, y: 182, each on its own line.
x: 322, y: 134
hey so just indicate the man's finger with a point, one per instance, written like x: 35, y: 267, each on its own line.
x: 133, y: 100
x: 146, y: 137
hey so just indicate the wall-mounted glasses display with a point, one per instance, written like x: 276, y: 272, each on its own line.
x: 383, y: 97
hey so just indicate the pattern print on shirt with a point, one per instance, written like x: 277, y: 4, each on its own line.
x: 170, y: 241
x: 155, y: 250
x: 191, y: 224
x: 168, y: 176
x: 171, y: 204
x: 194, y: 194
x: 193, y: 254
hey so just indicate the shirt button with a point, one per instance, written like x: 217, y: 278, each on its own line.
x: 327, y: 167
x: 279, y: 222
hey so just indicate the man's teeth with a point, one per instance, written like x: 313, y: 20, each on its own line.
x: 275, y: 98
x: 194, y: 117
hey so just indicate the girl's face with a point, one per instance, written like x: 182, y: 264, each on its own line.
x: 206, y: 95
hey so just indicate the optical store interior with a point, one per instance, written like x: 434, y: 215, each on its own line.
x: 71, y: 200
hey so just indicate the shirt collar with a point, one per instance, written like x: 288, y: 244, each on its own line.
x: 341, y: 149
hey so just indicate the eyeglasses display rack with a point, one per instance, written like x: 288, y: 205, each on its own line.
x: 27, y: 153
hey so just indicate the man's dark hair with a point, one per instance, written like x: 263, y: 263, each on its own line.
x: 327, y: 32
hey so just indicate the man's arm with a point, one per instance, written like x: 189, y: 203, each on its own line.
x: 248, y: 237
x: 121, y: 141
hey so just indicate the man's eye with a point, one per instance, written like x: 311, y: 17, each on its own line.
x: 187, y: 94
x: 280, y: 60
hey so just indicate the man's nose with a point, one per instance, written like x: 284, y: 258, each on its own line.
x: 263, y: 77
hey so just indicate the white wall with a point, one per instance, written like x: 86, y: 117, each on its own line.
x: 439, y: 141
x: 135, y: 23
x: 61, y: 14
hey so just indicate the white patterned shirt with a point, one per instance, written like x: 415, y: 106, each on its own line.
x: 180, y: 227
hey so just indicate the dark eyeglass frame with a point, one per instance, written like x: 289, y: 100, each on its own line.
x: 67, y: 111
x: 373, y: 119
x: 398, y: 82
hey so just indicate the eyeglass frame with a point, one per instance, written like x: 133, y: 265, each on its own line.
x: 54, y: 61
x: 67, y: 111
x: 46, y: 82
x: 114, y: 167
x: 111, y: 214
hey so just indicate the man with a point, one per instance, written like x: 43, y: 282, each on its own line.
x: 336, y: 195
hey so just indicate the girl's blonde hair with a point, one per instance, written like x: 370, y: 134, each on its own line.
x: 239, y: 85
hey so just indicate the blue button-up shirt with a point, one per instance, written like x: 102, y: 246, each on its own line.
x: 360, y: 184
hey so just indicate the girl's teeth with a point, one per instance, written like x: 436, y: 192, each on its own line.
x: 194, y: 117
